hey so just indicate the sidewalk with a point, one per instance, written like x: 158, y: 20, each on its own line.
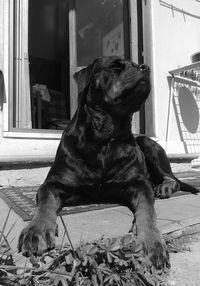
x: 174, y: 214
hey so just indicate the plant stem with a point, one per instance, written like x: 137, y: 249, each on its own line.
x: 67, y: 233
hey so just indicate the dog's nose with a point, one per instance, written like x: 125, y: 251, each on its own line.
x: 144, y: 67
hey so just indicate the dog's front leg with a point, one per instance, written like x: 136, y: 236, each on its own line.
x: 142, y: 205
x: 39, y: 235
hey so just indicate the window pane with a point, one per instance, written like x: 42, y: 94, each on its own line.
x: 49, y: 64
x: 41, y: 95
x: 99, y: 29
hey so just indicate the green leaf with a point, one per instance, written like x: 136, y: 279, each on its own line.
x: 128, y: 239
x: 104, y: 269
x: 138, y: 248
x: 93, y: 250
x: 77, y: 279
x: 69, y: 259
x: 115, y: 246
x: 121, y: 262
x: 60, y: 281
x: 94, y: 280
x: 23, y: 281
x: 112, y: 278
x: 100, y: 276
x: 85, y: 261
x: 109, y: 257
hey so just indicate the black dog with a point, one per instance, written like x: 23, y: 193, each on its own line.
x: 98, y: 159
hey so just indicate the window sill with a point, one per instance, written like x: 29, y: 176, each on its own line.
x: 26, y: 161
x: 33, y: 134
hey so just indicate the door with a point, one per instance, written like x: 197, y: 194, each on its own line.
x: 96, y: 28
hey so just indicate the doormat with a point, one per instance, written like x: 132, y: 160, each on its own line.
x: 23, y: 201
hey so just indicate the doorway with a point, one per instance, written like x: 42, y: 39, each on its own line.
x: 48, y: 31
x: 98, y: 28
x: 53, y: 39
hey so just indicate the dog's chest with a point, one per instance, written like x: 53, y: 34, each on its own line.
x: 122, y: 159
x: 113, y: 162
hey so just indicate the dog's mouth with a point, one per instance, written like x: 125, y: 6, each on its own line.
x: 134, y: 83
x: 135, y: 91
x: 139, y: 77
x: 142, y: 84
x: 132, y: 89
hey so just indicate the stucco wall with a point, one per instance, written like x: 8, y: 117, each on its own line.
x: 3, y: 58
x: 175, y: 37
x: 172, y: 35
x: 17, y: 145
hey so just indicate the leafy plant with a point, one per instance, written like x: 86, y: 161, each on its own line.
x: 105, y: 262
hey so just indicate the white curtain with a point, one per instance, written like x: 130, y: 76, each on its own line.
x: 22, y: 102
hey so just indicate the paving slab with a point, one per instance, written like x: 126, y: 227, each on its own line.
x: 173, y: 215
x: 185, y: 265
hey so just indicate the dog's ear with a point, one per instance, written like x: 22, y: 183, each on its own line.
x: 82, y: 78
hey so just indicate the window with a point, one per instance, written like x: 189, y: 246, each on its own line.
x: 41, y: 64
x: 52, y: 39
x: 100, y: 29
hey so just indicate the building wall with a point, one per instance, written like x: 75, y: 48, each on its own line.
x: 175, y: 37
x: 17, y: 146
x: 172, y: 34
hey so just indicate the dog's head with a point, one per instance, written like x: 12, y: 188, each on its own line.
x: 113, y: 84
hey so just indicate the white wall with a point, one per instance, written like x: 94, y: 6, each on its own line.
x: 172, y: 35
x: 175, y: 35
x: 27, y: 149
x: 18, y: 145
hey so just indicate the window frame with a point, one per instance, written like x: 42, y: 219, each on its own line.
x: 8, y: 129
x: 9, y: 81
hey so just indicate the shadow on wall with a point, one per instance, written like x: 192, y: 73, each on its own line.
x: 179, y: 10
x: 188, y: 109
x: 2, y: 91
x: 186, y: 103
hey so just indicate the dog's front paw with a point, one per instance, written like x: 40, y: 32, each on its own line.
x: 38, y: 237
x: 154, y: 247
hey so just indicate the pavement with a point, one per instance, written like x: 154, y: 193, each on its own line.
x: 174, y: 216
x: 185, y: 264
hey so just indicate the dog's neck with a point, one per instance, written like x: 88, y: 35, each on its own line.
x: 103, y: 126
x: 90, y: 130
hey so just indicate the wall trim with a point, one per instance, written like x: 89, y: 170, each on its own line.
x: 32, y: 135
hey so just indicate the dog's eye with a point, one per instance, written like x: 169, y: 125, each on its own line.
x: 118, y: 67
x: 106, y: 77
